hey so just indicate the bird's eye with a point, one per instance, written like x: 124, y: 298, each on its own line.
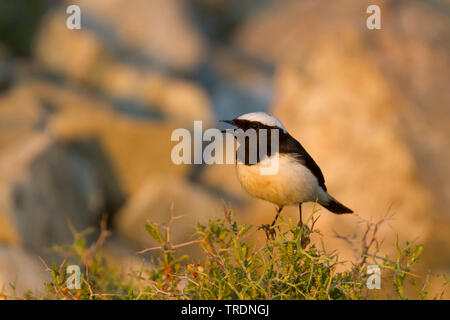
x: 254, y: 126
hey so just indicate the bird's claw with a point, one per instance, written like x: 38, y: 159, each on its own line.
x: 269, y: 230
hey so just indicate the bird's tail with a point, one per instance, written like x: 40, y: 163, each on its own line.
x: 335, y: 206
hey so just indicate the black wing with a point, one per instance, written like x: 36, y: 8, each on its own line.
x: 290, y: 145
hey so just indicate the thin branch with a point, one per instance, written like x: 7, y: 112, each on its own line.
x: 184, y: 244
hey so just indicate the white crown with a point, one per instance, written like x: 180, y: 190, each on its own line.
x: 263, y: 118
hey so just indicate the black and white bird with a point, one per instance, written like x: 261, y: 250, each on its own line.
x: 298, y: 178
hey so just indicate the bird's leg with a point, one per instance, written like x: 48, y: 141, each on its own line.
x: 268, y: 229
x: 276, y: 217
x: 300, y: 222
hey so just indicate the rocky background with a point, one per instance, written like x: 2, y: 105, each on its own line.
x: 86, y: 117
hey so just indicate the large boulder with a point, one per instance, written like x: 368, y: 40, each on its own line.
x: 68, y: 158
x: 105, y: 65
x: 137, y: 147
x: 177, y: 99
x: 48, y: 186
x: 407, y: 57
x: 159, y: 31
x: 349, y: 96
x: 236, y: 82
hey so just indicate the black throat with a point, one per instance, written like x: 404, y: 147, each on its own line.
x: 286, y: 145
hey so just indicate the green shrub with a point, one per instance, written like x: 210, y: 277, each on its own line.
x: 289, y: 267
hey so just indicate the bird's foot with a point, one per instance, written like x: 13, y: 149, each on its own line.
x: 305, y: 236
x: 269, y: 230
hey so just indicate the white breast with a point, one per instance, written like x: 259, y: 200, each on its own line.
x: 293, y: 183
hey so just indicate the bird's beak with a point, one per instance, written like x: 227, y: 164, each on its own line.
x: 226, y: 121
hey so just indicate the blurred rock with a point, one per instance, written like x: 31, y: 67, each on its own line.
x: 179, y: 100
x: 222, y: 177
x: 218, y: 19
x: 153, y: 202
x: 409, y: 54
x: 77, y: 53
x: 137, y: 147
x: 20, y: 113
x: 98, y: 64
x: 161, y: 30
x: 124, y: 30
x: 237, y: 83
x: 222, y: 180
x: 414, y: 60
x: 67, y: 156
x: 347, y: 111
x: 47, y: 187
x: 20, y: 272
x: 271, y: 35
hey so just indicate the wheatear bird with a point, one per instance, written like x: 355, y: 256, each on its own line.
x: 298, y: 178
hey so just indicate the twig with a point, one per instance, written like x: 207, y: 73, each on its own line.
x: 168, y: 246
x: 171, y: 247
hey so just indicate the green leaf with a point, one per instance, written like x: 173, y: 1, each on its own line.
x: 153, y: 231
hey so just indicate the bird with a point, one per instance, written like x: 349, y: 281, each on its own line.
x: 298, y: 178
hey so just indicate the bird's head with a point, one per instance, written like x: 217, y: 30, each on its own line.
x: 256, y: 121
